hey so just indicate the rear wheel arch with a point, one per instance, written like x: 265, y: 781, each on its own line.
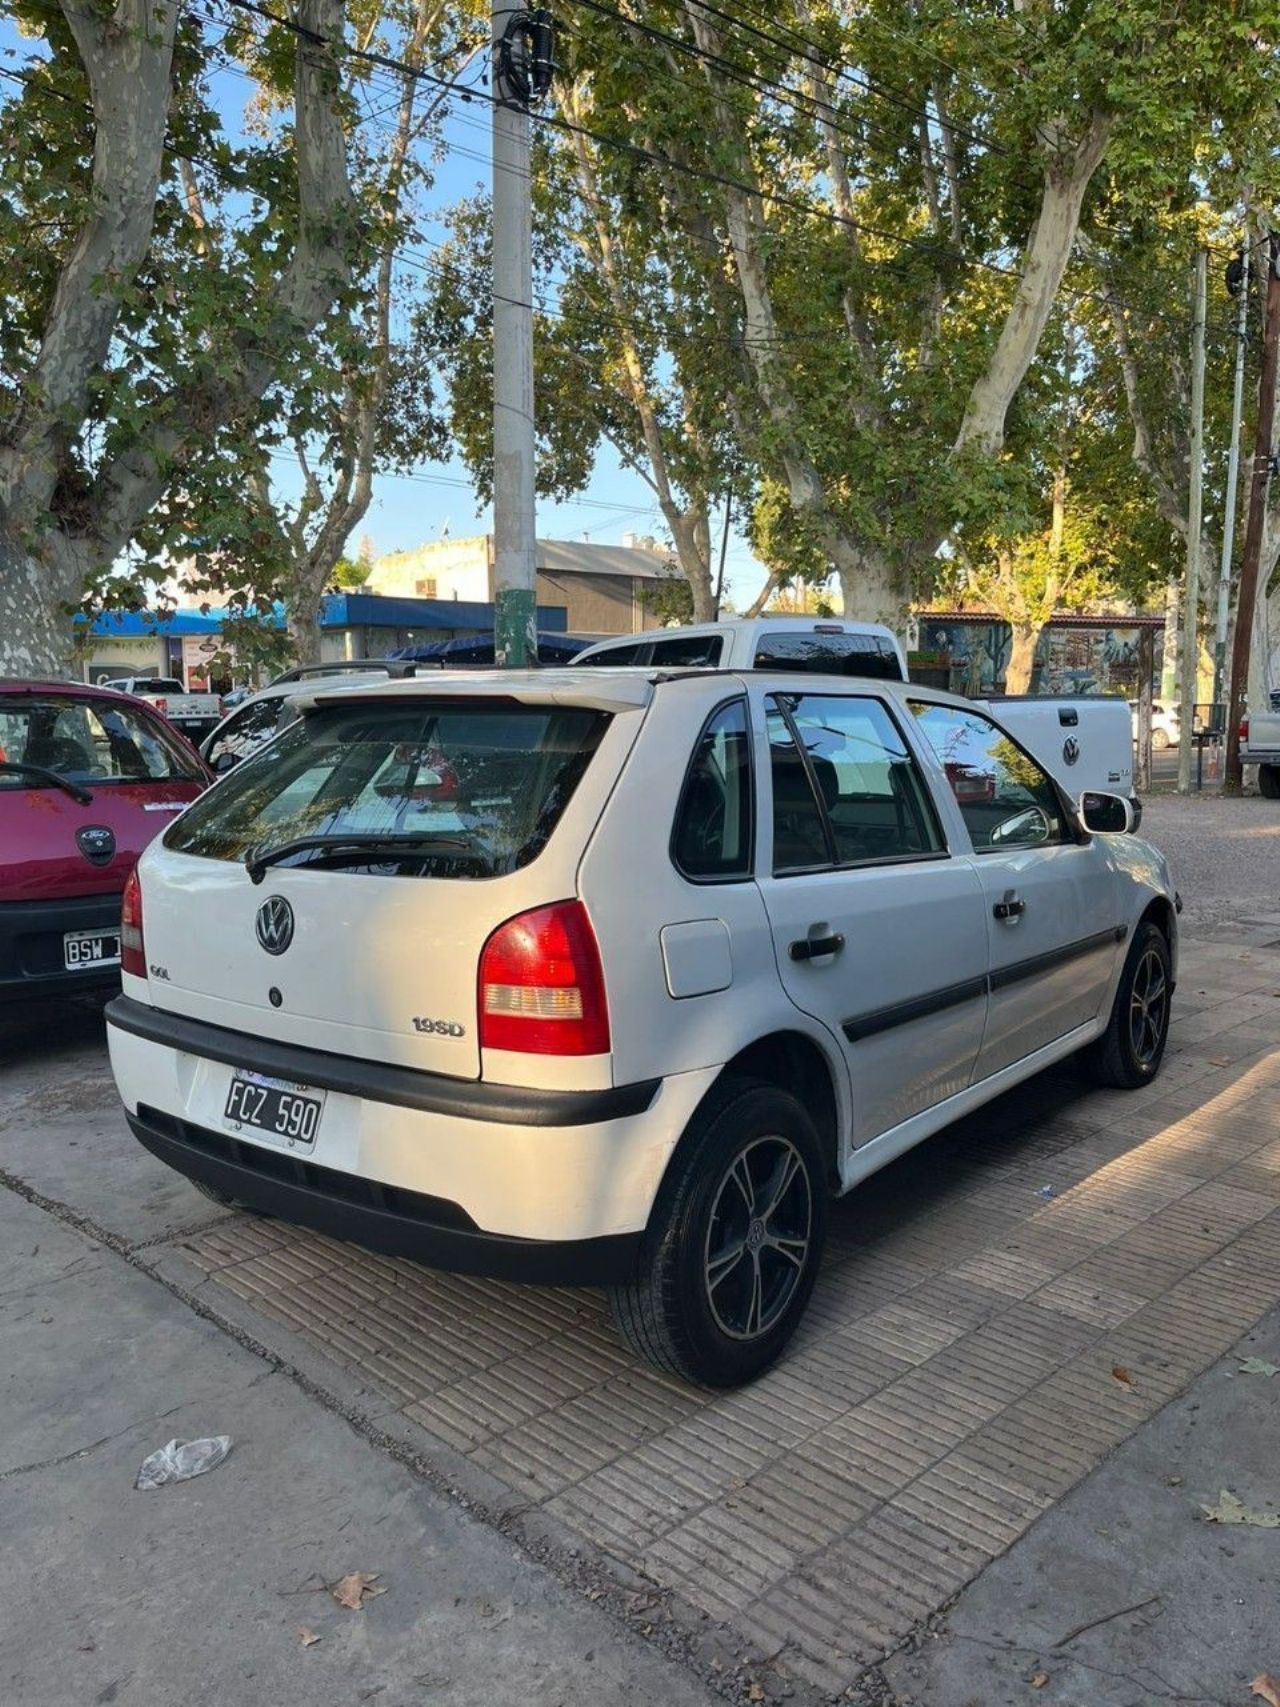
x: 792, y: 1061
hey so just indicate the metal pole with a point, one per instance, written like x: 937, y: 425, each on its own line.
x: 1190, y: 658
x: 1147, y: 669
x: 1229, y: 504
x: 514, y: 539
x: 1252, y: 553
x: 724, y: 547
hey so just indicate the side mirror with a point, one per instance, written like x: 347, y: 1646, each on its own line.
x: 225, y: 762
x: 1107, y: 814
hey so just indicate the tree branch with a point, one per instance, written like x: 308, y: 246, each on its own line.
x: 128, y: 59
x: 1067, y: 175
x: 319, y: 268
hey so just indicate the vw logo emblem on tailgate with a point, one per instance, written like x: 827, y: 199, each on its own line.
x: 1071, y: 749
x: 274, y: 924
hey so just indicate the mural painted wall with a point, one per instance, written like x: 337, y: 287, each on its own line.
x: 1069, y: 660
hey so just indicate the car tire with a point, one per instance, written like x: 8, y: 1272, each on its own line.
x: 1269, y: 781
x: 733, y: 1244
x: 1130, y: 1050
x: 1160, y: 740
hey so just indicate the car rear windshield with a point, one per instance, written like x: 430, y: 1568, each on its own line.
x: 87, y: 741
x: 454, y: 789
x: 829, y: 653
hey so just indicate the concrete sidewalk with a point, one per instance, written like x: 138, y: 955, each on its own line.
x: 195, y: 1595
x: 1123, y: 1595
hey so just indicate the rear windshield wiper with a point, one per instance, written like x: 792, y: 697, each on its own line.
x: 19, y: 767
x: 355, y: 848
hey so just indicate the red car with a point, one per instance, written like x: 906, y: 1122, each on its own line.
x: 87, y: 778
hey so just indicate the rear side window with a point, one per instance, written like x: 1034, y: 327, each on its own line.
x: 829, y: 654
x: 615, y: 656
x: 845, y: 789
x: 246, y: 731
x: 442, y: 788
x: 87, y: 741
x: 711, y: 840
x: 686, y: 651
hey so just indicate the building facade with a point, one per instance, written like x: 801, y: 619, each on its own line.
x: 600, y: 587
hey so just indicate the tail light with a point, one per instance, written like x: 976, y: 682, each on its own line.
x: 133, y: 956
x: 542, y: 985
x: 1244, y: 729
x: 162, y: 706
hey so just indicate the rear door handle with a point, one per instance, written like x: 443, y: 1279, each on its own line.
x: 815, y: 947
x: 1012, y: 907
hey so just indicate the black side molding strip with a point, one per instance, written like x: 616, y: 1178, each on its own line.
x: 406, y: 1087
x: 951, y: 995
x: 1038, y: 963
x: 919, y: 1007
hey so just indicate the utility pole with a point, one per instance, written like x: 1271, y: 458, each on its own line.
x: 1191, y: 597
x: 523, y: 65
x: 1252, y: 556
x: 1241, y: 290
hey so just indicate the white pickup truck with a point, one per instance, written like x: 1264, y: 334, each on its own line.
x: 1260, y: 745
x: 194, y: 714
x: 1087, y: 742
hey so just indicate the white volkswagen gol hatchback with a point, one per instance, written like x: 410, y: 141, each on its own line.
x: 612, y: 977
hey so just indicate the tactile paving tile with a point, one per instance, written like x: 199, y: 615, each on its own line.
x: 954, y: 1376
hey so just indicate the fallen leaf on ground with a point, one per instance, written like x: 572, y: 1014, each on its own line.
x: 1258, y: 1366
x: 1174, y: 1482
x: 1039, y: 1680
x: 1219, y: 1060
x: 355, y: 1588
x: 1268, y: 1688
x: 1231, y: 1510
x: 308, y: 1638
x: 756, y: 1692
x: 1120, y: 1373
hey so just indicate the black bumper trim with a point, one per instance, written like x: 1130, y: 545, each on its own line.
x: 31, y: 935
x: 405, y: 1087
x: 402, y: 1225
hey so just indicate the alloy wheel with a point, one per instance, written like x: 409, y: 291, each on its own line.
x: 758, y: 1238
x: 1148, y: 1006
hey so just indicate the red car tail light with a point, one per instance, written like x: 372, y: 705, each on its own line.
x: 133, y: 955
x: 1244, y: 728
x: 542, y: 986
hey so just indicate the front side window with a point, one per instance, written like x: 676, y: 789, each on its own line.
x: 846, y: 791
x: 1005, y: 798
x: 443, y: 788
x: 711, y: 840
x: 87, y: 741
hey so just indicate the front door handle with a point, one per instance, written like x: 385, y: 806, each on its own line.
x: 815, y: 947
x: 1012, y: 907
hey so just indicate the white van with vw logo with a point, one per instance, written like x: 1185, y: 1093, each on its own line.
x: 614, y: 976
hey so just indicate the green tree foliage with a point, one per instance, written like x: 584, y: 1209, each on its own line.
x: 841, y: 236
x: 186, y: 294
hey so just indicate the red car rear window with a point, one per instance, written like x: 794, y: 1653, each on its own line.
x: 86, y: 740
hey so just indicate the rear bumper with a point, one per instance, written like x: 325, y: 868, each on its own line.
x: 31, y: 934
x: 550, y: 1185
x: 395, y: 1222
